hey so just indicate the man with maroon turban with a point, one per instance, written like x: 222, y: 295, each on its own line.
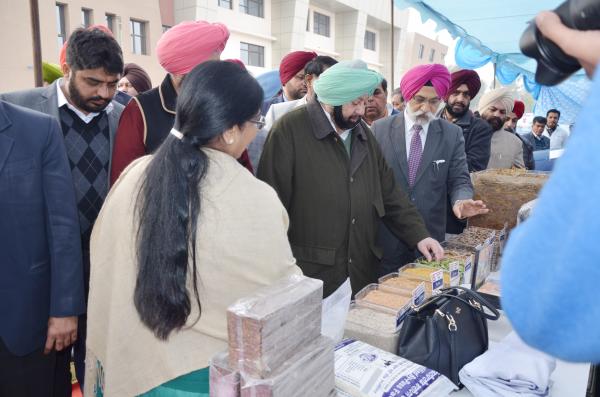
x: 148, y: 118
x: 510, y: 125
x: 427, y: 155
x: 464, y: 87
x: 477, y: 133
x: 291, y: 74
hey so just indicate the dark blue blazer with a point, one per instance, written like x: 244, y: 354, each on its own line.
x: 41, y: 273
x: 271, y: 101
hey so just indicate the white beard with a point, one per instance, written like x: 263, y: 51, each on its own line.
x: 419, y: 117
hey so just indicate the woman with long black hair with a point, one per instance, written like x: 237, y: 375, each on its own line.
x: 183, y: 234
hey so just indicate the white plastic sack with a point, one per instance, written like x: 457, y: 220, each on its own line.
x: 362, y: 370
x: 334, y: 312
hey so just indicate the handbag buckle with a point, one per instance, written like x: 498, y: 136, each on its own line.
x: 452, y: 327
x: 475, y: 304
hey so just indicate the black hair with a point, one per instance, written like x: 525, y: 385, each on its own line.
x: 214, y: 97
x: 539, y: 120
x: 384, y: 85
x: 553, y: 111
x: 92, y: 49
x: 318, y: 65
x: 398, y: 91
x: 428, y: 84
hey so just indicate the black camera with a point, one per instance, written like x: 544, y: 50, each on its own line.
x: 553, y: 65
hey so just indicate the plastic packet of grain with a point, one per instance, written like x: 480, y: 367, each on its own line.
x: 309, y: 372
x: 362, y: 370
x: 378, y: 328
x: 266, y: 328
x: 224, y: 382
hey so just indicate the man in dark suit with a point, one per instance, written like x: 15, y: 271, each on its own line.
x: 83, y: 102
x: 535, y: 138
x: 428, y: 158
x: 41, y: 274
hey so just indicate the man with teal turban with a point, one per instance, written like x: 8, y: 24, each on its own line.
x: 328, y: 170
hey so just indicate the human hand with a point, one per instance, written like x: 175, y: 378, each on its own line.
x: 581, y: 44
x: 62, y: 332
x: 468, y: 208
x: 429, y: 246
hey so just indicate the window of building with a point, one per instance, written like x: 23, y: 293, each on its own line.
x: 321, y: 24
x: 421, y: 51
x: 138, y: 37
x: 252, y: 54
x: 166, y: 27
x: 431, y: 55
x: 252, y: 7
x: 61, y: 30
x: 370, y: 38
x: 443, y: 56
x: 86, y: 17
x: 111, y: 22
x: 225, y: 4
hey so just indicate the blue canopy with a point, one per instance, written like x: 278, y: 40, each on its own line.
x: 270, y: 83
x: 489, y: 31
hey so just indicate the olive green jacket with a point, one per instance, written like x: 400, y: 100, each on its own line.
x: 334, y: 200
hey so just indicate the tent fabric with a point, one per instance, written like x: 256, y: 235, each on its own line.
x: 270, y: 83
x: 488, y: 31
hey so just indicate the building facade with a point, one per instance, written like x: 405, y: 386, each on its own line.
x: 262, y: 32
x: 136, y: 24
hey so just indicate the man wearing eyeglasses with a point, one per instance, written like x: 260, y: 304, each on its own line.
x: 428, y: 158
x: 330, y: 175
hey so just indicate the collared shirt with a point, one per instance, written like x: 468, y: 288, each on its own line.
x: 62, y: 100
x: 408, y: 125
x: 345, y: 134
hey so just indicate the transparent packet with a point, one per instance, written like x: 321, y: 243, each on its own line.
x: 373, y: 326
x: 224, y: 381
x: 266, y: 328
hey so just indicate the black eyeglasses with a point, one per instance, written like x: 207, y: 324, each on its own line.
x: 260, y: 123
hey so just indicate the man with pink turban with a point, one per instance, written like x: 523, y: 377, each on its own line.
x: 427, y: 155
x: 464, y: 87
x: 291, y: 74
x: 148, y: 118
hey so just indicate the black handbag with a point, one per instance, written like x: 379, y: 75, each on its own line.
x: 447, y: 331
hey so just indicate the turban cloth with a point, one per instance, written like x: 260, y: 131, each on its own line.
x: 137, y: 76
x: 62, y: 56
x: 51, y: 72
x: 237, y: 62
x: 418, y: 76
x: 501, y: 94
x: 188, y: 44
x: 294, y: 62
x: 519, y: 109
x: 345, y: 81
x: 468, y: 77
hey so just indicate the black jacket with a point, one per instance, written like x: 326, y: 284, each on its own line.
x: 478, y: 139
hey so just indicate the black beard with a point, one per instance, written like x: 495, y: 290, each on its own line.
x: 340, y: 121
x: 456, y: 114
x: 510, y: 129
x: 495, y: 122
x: 80, y: 102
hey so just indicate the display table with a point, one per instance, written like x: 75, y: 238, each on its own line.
x: 569, y: 379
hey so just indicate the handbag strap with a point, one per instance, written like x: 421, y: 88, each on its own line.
x: 474, y: 297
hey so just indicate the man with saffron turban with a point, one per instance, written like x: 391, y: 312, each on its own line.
x: 148, y: 118
x: 506, y: 148
x: 329, y: 172
x: 291, y: 74
x: 428, y: 158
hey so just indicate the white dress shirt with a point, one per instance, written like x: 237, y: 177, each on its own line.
x: 408, y: 133
x: 62, y: 100
x: 344, y: 135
